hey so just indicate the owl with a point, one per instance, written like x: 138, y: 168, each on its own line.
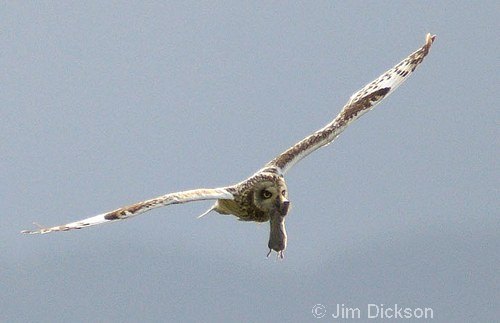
x: 263, y: 196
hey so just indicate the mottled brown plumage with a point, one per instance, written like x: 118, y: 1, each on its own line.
x: 263, y: 196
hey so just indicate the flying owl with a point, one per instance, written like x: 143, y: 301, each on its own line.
x: 263, y: 196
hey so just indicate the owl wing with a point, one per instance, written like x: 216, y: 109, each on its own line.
x: 141, y: 207
x: 358, y: 104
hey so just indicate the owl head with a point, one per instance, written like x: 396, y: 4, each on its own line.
x: 270, y: 195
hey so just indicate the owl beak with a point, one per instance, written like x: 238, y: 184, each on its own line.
x: 284, y: 207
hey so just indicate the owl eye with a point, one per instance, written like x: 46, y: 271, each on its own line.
x: 266, y: 194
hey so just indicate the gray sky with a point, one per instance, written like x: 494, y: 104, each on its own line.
x: 105, y: 104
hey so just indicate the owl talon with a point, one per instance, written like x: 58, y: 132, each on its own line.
x: 279, y: 254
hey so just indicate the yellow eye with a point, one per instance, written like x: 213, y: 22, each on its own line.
x: 266, y: 194
x: 283, y: 193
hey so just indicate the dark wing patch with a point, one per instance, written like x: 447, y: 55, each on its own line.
x: 364, y: 103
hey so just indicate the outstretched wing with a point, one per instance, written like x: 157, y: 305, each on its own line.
x: 141, y: 207
x: 358, y: 104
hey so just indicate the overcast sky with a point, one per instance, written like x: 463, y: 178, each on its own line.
x: 105, y: 104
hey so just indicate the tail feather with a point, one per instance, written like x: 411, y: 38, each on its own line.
x: 212, y: 208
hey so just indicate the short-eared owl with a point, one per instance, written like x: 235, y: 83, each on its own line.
x: 264, y: 196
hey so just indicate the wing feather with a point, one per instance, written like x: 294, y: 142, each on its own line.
x: 141, y: 207
x: 359, y: 103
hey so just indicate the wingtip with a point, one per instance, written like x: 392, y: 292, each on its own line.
x: 429, y: 39
x: 40, y: 227
x: 31, y: 231
x: 41, y: 230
